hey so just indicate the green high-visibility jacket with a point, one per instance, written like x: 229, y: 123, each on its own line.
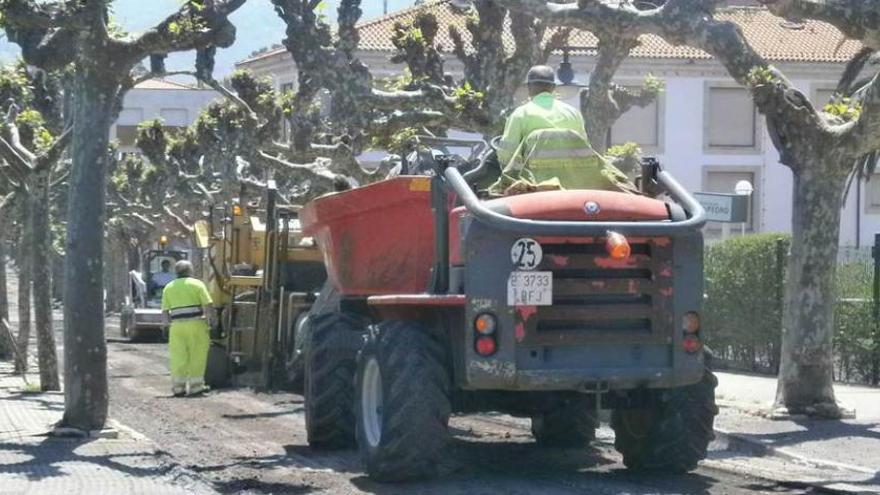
x: 544, y: 111
x: 559, y: 159
x: 184, y: 299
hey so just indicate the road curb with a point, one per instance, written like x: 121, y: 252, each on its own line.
x: 735, y: 442
x: 741, y: 443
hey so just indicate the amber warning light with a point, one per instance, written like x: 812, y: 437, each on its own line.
x: 617, y: 246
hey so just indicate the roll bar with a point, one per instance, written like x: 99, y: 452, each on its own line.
x: 696, y: 214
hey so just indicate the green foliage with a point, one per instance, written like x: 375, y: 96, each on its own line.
x: 15, y: 86
x: 760, y: 76
x: 742, y: 313
x: 467, y: 98
x: 625, y: 150
x: 191, y: 22
x: 843, y: 107
x: 33, y: 130
x: 399, y: 143
x: 653, y: 84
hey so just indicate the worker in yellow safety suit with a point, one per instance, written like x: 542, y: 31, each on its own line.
x: 545, y: 146
x: 186, y: 302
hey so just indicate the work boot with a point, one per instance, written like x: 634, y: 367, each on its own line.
x: 196, y: 389
x: 178, y: 387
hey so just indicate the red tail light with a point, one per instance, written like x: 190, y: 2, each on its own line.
x: 485, y: 346
x: 692, y: 344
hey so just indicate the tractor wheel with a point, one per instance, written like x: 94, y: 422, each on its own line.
x: 572, y: 423
x: 673, y: 434
x: 402, y: 402
x: 330, y: 362
x: 294, y: 353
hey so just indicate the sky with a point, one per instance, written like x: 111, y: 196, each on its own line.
x: 258, y: 26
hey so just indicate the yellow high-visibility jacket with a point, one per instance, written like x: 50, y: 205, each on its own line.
x: 544, y: 111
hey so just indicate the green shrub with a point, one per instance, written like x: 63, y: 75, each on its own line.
x: 742, y: 312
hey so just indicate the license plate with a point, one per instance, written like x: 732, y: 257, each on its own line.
x: 530, y: 289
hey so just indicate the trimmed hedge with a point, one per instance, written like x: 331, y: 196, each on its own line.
x: 742, y: 310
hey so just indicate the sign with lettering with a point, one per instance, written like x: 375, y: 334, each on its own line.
x: 730, y: 208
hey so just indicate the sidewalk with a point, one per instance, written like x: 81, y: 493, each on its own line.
x: 33, y: 463
x: 841, y: 447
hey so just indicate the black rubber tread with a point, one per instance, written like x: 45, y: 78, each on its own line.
x: 294, y: 363
x: 572, y: 423
x: 331, y: 360
x: 416, y: 407
x: 674, y: 435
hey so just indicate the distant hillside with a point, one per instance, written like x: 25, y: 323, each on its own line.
x: 258, y: 26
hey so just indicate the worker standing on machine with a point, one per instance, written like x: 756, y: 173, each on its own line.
x: 187, y: 304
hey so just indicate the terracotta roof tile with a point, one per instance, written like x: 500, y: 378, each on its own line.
x: 773, y: 37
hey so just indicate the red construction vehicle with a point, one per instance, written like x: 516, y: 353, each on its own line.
x: 549, y: 305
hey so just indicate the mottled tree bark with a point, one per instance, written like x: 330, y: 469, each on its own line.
x: 805, y: 373
x: 6, y: 344
x: 24, y: 261
x: 85, y: 366
x: 76, y: 35
x: 47, y: 354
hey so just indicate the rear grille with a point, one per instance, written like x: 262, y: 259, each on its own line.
x: 600, y: 300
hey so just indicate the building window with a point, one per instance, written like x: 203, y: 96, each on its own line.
x: 638, y: 125
x: 131, y: 116
x: 721, y: 180
x: 175, y: 117
x: 872, y: 194
x: 731, y: 119
x: 286, y: 87
x: 126, y: 134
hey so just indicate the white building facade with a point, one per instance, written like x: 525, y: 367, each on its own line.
x: 704, y: 127
x: 178, y: 105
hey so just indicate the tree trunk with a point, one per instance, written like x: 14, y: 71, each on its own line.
x: 806, y: 369
x: 42, y: 245
x: 85, y: 351
x: 57, y: 276
x: 25, y: 275
x: 6, y: 344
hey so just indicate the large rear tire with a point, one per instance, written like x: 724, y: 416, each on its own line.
x: 672, y: 435
x: 294, y: 353
x: 402, y: 403
x: 330, y: 362
x: 572, y: 423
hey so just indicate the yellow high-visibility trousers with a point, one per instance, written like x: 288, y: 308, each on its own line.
x: 188, y: 343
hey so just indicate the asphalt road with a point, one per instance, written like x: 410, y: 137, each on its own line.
x: 247, y: 442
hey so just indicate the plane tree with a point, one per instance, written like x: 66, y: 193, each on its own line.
x: 57, y: 34
x: 32, y: 146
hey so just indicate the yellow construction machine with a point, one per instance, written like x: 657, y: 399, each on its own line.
x: 264, y: 276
